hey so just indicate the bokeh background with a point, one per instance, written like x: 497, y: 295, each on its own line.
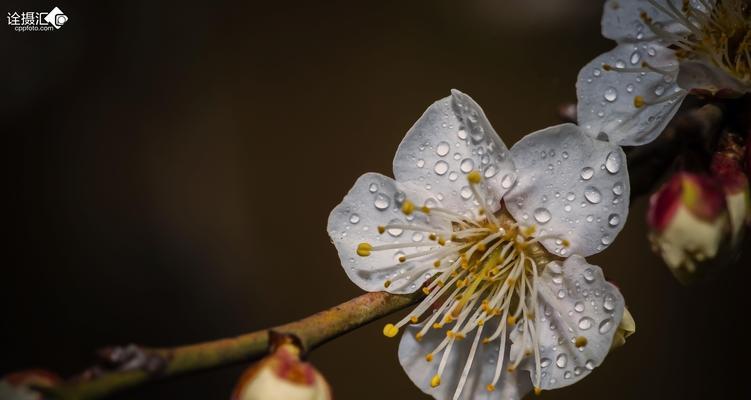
x: 171, y: 166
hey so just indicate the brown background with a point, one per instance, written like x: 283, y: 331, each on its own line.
x: 171, y: 168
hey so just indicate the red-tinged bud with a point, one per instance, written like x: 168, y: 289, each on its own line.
x: 689, y: 221
x: 21, y: 385
x: 282, y: 376
x: 727, y: 168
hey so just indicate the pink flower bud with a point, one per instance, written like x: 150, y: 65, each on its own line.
x: 727, y: 168
x: 689, y: 221
x: 282, y: 376
x: 20, y: 385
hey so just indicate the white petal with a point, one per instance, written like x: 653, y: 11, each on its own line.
x: 373, y: 201
x: 412, y: 357
x: 570, y: 186
x: 450, y: 139
x: 621, y: 20
x: 606, y: 98
x: 575, y: 301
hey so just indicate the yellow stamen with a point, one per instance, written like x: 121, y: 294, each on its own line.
x: 474, y: 177
x: 490, y: 387
x: 429, y: 357
x: 638, y: 101
x: 387, y: 283
x: 408, y: 207
x: 364, y: 249
x: 390, y: 330
x: 381, y: 229
x: 435, y: 381
x: 537, y: 391
x: 581, y: 341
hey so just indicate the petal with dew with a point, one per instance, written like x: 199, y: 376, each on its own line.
x: 364, y: 216
x: 412, y: 355
x: 452, y: 138
x: 572, y: 188
x: 577, y: 315
x: 706, y: 77
x: 629, y: 106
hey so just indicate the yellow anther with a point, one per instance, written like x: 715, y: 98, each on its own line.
x: 364, y: 249
x: 442, y: 241
x: 485, y: 340
x: 461, y: 283
x: 511, y: 320
x: 490, y: 387
x: 565, y: 243
x: 402, y: 259
x: 418, y: 336
x: 426, y: 290
x: 448, y: 319
x: 607, y: 67
x: 435, y: 381
x: 437, y: 263
x: 450, y: 333
x: 437, y: 326
x: 511, y: 281
x: 481, y: 247
x: 481, y: 211
x: 432, y: 236
x: 387, y: 283
x: 638, y: 101
x: 408, y: 207
x: 381, y: 229
x: 425, y: 209
x: 458, y: 336
x: 538, y: 391
x: 429, y: 357
x: 474, y: 177
x: 480, y: 322
x: 511, y: 369
x: 413, y: 319
x: 440, y: 283
x: 581, y: 341
x: 390, y: 330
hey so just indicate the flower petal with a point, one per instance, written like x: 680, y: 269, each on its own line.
x: 609, y: 100
x: 450, y: 139
x: 374, y: 201
x: 412, y: 357
x: 577, y: 306
x: 572, y: 187
x: 622, y: 21
x: 701, y: 75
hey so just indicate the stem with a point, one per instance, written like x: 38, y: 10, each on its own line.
x: 312, y: 331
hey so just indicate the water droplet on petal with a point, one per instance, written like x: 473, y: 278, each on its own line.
x: 609, y: 303
x: 420, y: 163
x: 466, y: 192
x: 442, y: 149
x: 467, y: 165
x: 354, y: 218
x: 373, y: 188
x: 614, y: 220
x: 587, y: 173
x: 630, y: 88
x: 417, y: 236
x: 462, y: 134
x: 605, y: 326
x: 441, y: 167
x: 570, y: 196
x: 561, y: 360
x: 610, y: 94
x: 596, y: 72
x: 605, y: 240
x: 395, y: 232
x: 542, y: 215
x: 453, y: 176
x: 507, y: 181
x: 585, y: 323
x: 635, y: 57
x: 544, y: 362
x: 579, y: 306
x: 382, y: 201
x: 490, y: 171
x: 590, y: 365
x: 618, y: 189
x: 561, y: 293
x: 589, y: 275
x: 613, y: 162
x: 592, y: 195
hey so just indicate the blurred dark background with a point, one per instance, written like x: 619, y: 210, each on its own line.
x: 162, y: 157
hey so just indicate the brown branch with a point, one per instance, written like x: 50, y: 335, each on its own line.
x: 142, y: 365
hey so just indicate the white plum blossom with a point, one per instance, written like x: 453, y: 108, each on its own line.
x: 495, y: 238
x: 666, y: 49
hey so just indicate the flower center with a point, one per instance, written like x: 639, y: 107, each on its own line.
x: 486, y: 268
x: 720, y: 34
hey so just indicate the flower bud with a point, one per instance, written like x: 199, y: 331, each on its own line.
x: 689, y: 221
x: 626, y: 328
x: 727, y: 168
x: 20, y: 385
x: 282, y: 376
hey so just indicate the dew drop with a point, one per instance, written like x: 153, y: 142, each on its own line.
x: 618, y: 189
x: 592, y: 195
x: 453, y: 176
x: 610, y: 94
x: 605, y: 326
x: 579, y: 306
x: 570, y: 196
x: 490, y: 171
x: 373, y: 188
x: 589, y: 275
x: 462, y: 134
x: 620, y: 64
x: 466, y: 192
x: 596, y: 72
x: 395, y: 232
x: 382, y: 201
x: 466, y: 165
x: 614, y: 220
x: 354, y: 218
x: 561, y: 294
x: 442, y: 149
x: 545, y: 362
x: 585, y: 323
x: 420, y: 163
x: 561, y: 360
x: 507, y: 181
x: 590, y: 365
x: 567, y: 208
x: 635, y: 57
x: 630, y: 88
x: 564, y: 155
x: 605, y: 240
x: 441, y: 167
x: 567, y: 375
x: 609, y: 303
x: 542, y: 215
x: 417, y: 237
x: 587, y: 173
x: 613, y: 162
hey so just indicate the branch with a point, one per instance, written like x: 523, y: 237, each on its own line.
x: 139, y: 365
